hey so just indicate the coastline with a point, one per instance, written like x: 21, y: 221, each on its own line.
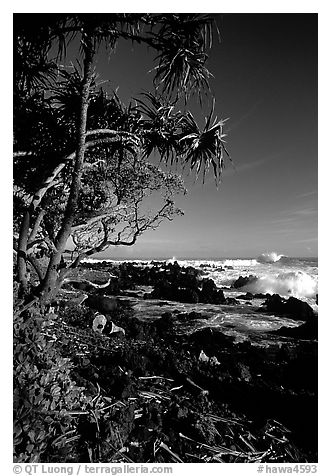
x: 176, y: 388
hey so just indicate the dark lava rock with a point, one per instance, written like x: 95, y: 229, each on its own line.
x: 244, y: 280
x: 209, y: 293
x: 299, y: 309
x: 165, y: 323
x: 209, y: 339
x: 169, y: 291
x: 113, y: 288
x: 292, y: 307
x: 187, y: 295
x: 308, y: 330
x: 261, y: 296
x: 275, y: 304
x: 189, y: 316
x: 229, y: 301
x: 247, y: 296
x: 103, y: 304
x: 139, y: 330
x: 185, y: 287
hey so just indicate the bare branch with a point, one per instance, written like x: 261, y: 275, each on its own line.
x: 90, y: 221
x: 22, y: 154
x: 49, y: 182
x: 112, y: 132
x: 36, y: 225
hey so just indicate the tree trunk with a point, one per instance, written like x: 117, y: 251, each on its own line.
x: 21, y: 254
x: 53, y: 278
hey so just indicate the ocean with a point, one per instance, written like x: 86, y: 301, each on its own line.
x: 286, y: 276
x: 276, y: 274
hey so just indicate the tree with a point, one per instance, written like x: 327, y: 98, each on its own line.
x: 127, y: 216
x: 74, y: 109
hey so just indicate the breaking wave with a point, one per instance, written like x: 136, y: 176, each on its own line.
x: 271, y: 257
x: 293, y: 283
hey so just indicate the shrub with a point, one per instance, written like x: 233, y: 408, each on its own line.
x: 44, y: 393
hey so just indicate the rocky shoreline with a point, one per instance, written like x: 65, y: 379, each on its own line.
x: 160, y: 395
x: 208, y: 372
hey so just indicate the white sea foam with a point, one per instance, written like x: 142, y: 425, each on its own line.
x: 270, y: 257
x: 239, y: 262
x: 293, y: 283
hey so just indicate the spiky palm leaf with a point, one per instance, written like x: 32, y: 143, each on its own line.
x: 183, y: 40
x: 110, y: 112
x: 67, y: 92
x: 206, y: 148
x: 161, y: 126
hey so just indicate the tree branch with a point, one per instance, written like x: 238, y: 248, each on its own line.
x: 36, y: 225
x: 22, y: 154
x: 37, y: 267
x: 111, y: 132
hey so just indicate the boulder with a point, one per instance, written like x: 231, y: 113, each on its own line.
x: 187, y: 295
x: 116, y: 331
x: 275, y: 304
x: 292, y: 307
x: 210, y: 294
x: 244, y: 280
x: 203, y: 357
x: 99, y: 323
x: 299, y: 309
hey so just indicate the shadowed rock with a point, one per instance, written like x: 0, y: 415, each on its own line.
x: 308, y: 330
x: 103, y: 304
x: 243, y: 281
x: 292, y: 307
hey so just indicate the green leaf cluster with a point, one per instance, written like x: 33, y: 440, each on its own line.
x: 44, y: 392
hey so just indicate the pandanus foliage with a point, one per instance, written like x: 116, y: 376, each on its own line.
x: 82, y: 157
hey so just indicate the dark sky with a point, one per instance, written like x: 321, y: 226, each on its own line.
x: 265, y: 81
